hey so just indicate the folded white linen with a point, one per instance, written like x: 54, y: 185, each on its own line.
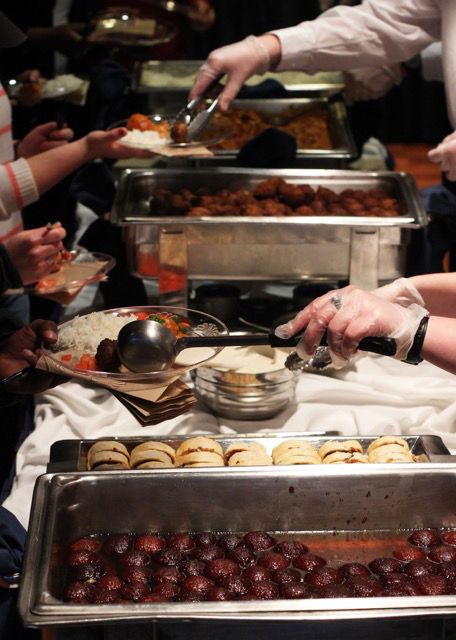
x: 375, y: 396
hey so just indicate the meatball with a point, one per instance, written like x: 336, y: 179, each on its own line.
x: 106, y: 357
x: 258, y: 540
x: 424, y: 538
x: 149, y: 543
x: 179, y: 132
x: 292, y: 194
x: 257, y: 573
x: 221, y: 568
x: 268, y: 188
x: 304, y: 210
x: 308, y: 562
x: 264, y: 590
x: 273, y: 560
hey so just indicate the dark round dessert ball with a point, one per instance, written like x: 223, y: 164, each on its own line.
x: 322, y: 576
x: 381, y: 566
x: 281, y: 576
x: 207, y: 552
x: 417, y: 568
x: 133, y: 591
x: 154, y: 597
x: 258, y: 540
x: 167, y: 589
x: 449, y: 537
x: 243, y: 556
x: 291, y: 548
x: 150, y: 543
x: 109, y: 567
x: 118, y: 544
x: 442, y: 553
x: 295, y: 590
x: 273, y: 561
x: 364, y: 586
x: 219, y: 594
x: 79, y: 558
x: 236, y: 585
x: 86, y: 544
x: 432, y: 585
x: 168, y: 574
x: 197, y: 584
x: 308, y: 562
x: 109, y: 583
x: 81, y: 592
x: 334, y: 591
x: 221, y: 568
x: 192, y: 596
x: 257, y: 573
x: 205, y: 537
x: 408, y: 553
x: 136, y: 574
x: 264, y: 590
x: 169, y: 557
x: 424, y: 538
x: 353, y: 569
x: 399, y: 582
x: 134, y: 559
x: 448, y: 570
x: 104, y: 596
x: 87, y: 572
x: 181, y: 541
x: 230, y: 541
x: 192, y: 567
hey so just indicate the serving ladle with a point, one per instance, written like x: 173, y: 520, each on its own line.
x: 146, y: 345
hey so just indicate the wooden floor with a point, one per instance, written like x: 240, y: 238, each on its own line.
x: 412, y: 158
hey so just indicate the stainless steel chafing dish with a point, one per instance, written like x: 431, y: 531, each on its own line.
x: 339, y: 504
x: 363, y: 249
x: 282, y: 111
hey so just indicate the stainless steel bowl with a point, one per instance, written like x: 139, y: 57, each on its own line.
x: 244, y: 396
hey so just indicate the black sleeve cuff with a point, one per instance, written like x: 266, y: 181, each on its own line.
x: 414, y: 354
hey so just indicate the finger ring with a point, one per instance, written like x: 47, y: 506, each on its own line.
x: 337, y: 301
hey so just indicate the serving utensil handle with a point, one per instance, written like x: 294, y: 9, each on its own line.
x: 382, y: 346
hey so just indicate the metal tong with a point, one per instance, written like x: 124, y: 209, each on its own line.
x: 197, y: 121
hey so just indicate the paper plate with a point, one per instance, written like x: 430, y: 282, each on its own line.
x: 84, y: 267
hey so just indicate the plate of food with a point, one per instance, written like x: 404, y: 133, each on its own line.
x: 157, y: 131
x: 124, y: 26
x: 29, y: 93
x: 88, y: 343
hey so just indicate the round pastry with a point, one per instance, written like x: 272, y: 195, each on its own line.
x: 390, y: 453
x: 200, y: 443
x: 151, y: 455
x: 243, y: 454
x: 154, y: 464
x: 108, y: 452
x: 152, y: 452
x: 292, y: 447
x: 332, y: 446
x: 387, y: 440
x: 296, y: 457
x: 200, y: 459
x: 343, y: 457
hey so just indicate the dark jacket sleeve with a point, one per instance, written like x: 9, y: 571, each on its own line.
x: 9, y: 276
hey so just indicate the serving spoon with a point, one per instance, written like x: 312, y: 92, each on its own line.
x: 147, y: 345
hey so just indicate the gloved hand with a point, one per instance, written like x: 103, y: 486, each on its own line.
x: 238, y: 61
x: 444, y: 155
x: 401, y: 291
x: 370, y: 83
x: 349, y: 315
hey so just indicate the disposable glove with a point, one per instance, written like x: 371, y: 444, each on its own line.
x: 349, y: 315
x: 401, y: 291
x: 238, y: 61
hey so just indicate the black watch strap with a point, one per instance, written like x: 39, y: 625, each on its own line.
x: 414, y: 354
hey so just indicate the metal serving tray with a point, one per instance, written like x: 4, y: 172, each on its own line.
x: 159, y: 77
x: 363, y: 249
x: 371, y: 502
x: 277, y: 111
x: 71, y: 455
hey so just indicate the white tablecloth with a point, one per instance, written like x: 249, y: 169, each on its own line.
x: 375, y: 396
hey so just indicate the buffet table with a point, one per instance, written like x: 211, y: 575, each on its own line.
x: 376, y: 395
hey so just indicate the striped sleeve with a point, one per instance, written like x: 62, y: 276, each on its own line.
x: 17, y: 187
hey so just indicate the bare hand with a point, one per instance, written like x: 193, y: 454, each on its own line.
x: 105, y: 144
x: 22, y: 349
x: 32, y: 251
x: 445, y: 156
x: 42, y: 138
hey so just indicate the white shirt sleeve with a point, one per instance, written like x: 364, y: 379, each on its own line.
x: 431, y: 62
x: 17, y: 187
x: 373, y: 33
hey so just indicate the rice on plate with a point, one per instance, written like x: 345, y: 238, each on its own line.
x: 84, y: 333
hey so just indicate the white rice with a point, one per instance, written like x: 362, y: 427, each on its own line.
x: 84, y: 333
x: 144, y: 138
x: 63, y: 84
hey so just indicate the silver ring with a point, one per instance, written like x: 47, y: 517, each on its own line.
x: 337, y: 301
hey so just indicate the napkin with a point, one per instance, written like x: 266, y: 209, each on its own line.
x: 150, y: 401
